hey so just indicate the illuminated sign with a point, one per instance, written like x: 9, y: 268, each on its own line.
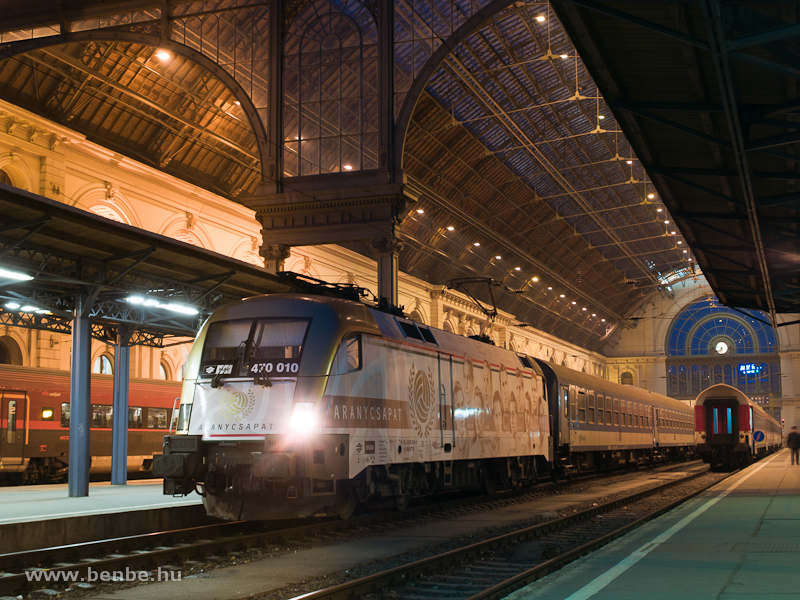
x: 750, y: 369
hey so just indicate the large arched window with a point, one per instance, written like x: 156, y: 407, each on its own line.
x: 708, y: 344
x: 701, y: 325
x: 330, y: 89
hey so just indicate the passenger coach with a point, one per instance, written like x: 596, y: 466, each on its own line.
x: 598, y: 423
x: 733, y: 430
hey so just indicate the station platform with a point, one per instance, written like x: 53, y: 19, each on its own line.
x: 40, y: 516
x: 739, y: 540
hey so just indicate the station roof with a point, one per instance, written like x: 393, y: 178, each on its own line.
x: 70, y: 251
x: 512, y: 143
x: 707, y: 94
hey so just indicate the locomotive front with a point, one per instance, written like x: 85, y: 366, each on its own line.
x: 249, y: 435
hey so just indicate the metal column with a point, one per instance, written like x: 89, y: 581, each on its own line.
x: 119, y: 435
x: 80, y: 401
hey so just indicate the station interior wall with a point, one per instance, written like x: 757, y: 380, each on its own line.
x: 46, y: 158
x: 43, y: 157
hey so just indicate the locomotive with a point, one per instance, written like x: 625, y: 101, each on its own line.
x: 732, y: 429
x: 296, y: 405
x: 34, y: 417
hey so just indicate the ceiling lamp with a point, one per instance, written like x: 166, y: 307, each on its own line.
x: 450, y: 228
x: 15, y: 275
x: 541, y: 18
x: 163, y: 55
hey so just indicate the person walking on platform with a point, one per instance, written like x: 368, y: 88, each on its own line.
x: 793, y: 441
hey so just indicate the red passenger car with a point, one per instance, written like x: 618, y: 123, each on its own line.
x: 34, y: 422
x: 732, y: 429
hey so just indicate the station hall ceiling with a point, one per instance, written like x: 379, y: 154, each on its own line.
x: 511, y: 144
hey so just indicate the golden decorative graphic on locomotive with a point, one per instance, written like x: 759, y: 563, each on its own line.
x: 421, y: 400
x: 237, y: 405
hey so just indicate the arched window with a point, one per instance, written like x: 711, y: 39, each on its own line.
x: 10, y: 352
x: 330, y: 89
x: 698, y: 325
x: 415, y: 316
x: 107, y: 212
x: 715, y: 344
x: 103, y: 365
x: 626, y: 378
x: 164, y: 371
x: 4, y: 178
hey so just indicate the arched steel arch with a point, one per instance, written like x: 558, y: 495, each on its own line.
x: 448, y: 46
x: 20, y: 47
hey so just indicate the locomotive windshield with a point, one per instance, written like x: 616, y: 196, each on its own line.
x: 250, y: 347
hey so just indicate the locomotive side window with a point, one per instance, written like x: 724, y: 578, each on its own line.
x: 348, y: 357
x: 135, y: 417
x: 427, y: 334
x: 410, y: 330
x: 65, y: 414
x: 582, y: 407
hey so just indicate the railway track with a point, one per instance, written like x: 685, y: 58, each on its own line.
x: 148, y: 551
x: 493, y: 568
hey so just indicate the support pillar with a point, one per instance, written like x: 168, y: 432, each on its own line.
x: 388, y: 261
x: 80, y: 399
x: 275, y: 256
x: 119, y: 432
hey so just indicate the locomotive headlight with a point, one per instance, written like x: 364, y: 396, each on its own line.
x: 303, y: 419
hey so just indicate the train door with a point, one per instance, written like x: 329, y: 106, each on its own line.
x: 14, y: 414
x: 446, y: 422
x: 722, y: 422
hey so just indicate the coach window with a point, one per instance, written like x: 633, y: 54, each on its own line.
x: 630, y: 414
x: 623, y: 414
x: 157, y: 418
x: 101, y: 415
x: 65, y: 414
x: 135, y: 417
x: 573, y: 412
x: 616, y: 411
x: 609, y: 411
x: 348, y: 357
x: 590, y: 408
x: 582, y: 407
